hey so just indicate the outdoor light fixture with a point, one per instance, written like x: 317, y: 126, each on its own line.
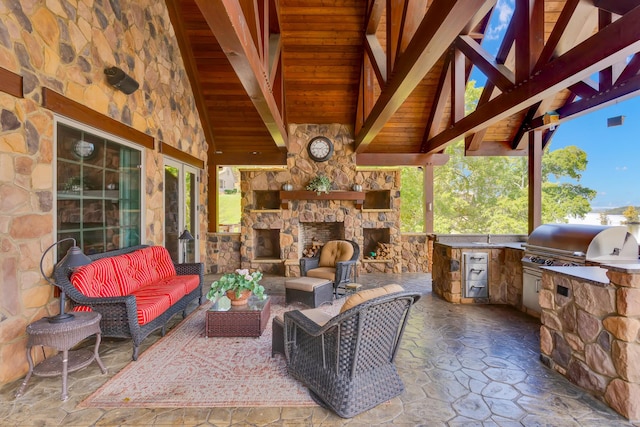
x: 184, y: 238
x: 72, y: 260
x: 551, y: 118
x: 121, y: 81
x: 615, y: 121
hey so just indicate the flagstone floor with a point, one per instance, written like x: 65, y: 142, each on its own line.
x: 461, y: 365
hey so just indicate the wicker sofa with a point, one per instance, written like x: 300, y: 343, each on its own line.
x: 136, y: 290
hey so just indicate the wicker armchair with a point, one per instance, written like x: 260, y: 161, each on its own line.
x: 335, y: 261
x: 119, y: 318
x: 347, y: 362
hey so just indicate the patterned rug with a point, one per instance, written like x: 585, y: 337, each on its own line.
x: 185, y: 368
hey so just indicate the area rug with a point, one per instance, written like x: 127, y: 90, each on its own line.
x: 187, y: 369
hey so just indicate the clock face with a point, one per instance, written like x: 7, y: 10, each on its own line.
x: 320, y: 149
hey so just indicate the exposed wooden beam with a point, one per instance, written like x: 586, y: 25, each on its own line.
x: 74, y: 110
x: 617, y: 93
x: 374, y: 14
x: 243, y: 159
x: 400, y: 159
x: 227, y: 22
x: 610, y: 45
x: 458, y: 86
x: 444, y: 20
x: 440, y: 101
x: 529, y: 20
x: 569, y: 28
x: 192, y: 70
x: 619, y: 7
x: 495, y: 148
x: 632, y: 69
x: 10, y: 83
x: 378, y: 59
x: 504, y: 55
x: 180, y: 155
x: 585, y: 89
x: 499, y: 74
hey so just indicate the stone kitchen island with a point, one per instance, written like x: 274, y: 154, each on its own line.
x: 503, y: 271
x: 590, y: 330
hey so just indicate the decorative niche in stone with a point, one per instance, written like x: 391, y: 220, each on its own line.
x: 372, y: 238
x: 377, y: 200
x: 266, y: 244
x: 265, y: 200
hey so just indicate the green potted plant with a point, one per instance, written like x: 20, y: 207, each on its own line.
x: 237, y: 286
x: 319, y: 184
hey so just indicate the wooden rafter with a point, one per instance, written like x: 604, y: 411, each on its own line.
x: 619, y: 7
x: 612, y: 44
x: 568, y: 30
x: 498, y: 74
x: 619, y: 92
x: 442, y: 23
x: 230, y: 27
x: 399, y: 159
x: 440, y: 100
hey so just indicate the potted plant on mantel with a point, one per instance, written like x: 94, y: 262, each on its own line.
x: 237, y: 286
x: 319, y: 184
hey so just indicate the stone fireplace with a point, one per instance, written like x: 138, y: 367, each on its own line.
x: 276, y: 225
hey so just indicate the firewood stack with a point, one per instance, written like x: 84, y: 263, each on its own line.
x: 384, y: 251
x: 312, y: 251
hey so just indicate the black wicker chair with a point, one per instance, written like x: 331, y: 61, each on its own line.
x: 340, y: 273
x: 119, y: 317
x: 347, y: 363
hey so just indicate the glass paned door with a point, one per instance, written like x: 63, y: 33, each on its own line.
x: 180, y: 211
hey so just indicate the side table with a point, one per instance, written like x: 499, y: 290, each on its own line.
x: 63, y: 336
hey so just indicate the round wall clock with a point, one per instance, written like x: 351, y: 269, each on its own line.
x: 83, y: 149
x: 320, y: 149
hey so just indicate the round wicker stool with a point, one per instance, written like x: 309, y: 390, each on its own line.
x: 63, y: 336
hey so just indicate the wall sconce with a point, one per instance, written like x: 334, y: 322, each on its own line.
x: 121, y: 81
x: 72, y: 260
x: 184, y: 239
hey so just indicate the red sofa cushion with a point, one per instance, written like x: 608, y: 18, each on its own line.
x: 148, y: 274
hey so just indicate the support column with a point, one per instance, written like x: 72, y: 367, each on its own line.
x: 535, y: 179
x: 428, y: 198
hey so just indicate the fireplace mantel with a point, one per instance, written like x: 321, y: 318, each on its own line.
x: 356, y: 196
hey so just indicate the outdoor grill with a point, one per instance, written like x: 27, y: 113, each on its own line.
x: 572, y: 245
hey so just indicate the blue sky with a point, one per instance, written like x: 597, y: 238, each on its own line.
x: 613, y: 153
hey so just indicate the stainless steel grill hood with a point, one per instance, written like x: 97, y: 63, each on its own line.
x: 597, y: 243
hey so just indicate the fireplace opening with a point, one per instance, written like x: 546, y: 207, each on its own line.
x: 315, y: 234
x: 375, y: 239
x: 267, y: 244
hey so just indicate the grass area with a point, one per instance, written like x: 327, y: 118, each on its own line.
x: 229, y: 208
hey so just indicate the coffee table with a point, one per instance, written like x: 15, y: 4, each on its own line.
x: 226, y: 320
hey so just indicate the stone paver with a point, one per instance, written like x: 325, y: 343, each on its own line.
x: 471, y: 365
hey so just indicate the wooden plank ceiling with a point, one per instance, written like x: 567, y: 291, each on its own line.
x: 395, y: 71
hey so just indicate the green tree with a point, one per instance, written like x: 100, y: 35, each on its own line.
x: 412, y: 194
x: 631, y: 214
x: 490, y: 194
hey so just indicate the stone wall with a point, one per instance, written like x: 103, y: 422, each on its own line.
x: 341, y: 169
x: 65, y: 46
x: 592, y: 337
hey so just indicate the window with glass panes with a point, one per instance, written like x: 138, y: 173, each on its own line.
x: 98, y: 190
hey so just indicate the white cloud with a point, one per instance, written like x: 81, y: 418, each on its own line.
x: 621, y: 168
x: 504, y: 10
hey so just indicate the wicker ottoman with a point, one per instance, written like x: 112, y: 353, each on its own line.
x: 309, y: 290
